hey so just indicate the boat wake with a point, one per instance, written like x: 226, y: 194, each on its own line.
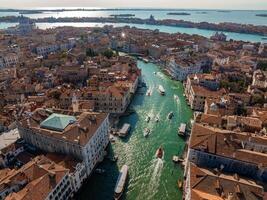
x: 154, y: 182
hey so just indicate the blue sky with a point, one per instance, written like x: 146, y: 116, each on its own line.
x: 211, y: 4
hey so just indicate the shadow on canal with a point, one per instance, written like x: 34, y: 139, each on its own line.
x: 101, y: 186
x: 133, y: 119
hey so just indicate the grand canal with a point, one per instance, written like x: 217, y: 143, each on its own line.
x: 149, y: 178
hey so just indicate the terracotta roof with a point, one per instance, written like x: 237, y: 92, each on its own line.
x: 41, y: 174
x: 202, y: 91
x: 212, y: 185
x: 79, y: 132
x: 228, y: 144
x: 211, y: 119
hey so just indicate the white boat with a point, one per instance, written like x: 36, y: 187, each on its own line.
x: 146, y: 132
x: 182, y: 129
x: 112, y: 139
x: 157, y: 119
x: 124, y: 130
x: 175, y: 97
x: 145, y: 60
x: 121, y: 182
x: 161, y: 90
x: 147, y: 119
x: 100, y: 171
x: 149, y: 92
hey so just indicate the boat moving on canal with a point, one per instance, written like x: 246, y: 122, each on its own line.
x: 147, y: 119
x: 159, y: 153
x: 146, y: 132
x: 149, y: 92
x: 170, y: 115
x: 121, y: 182
x: 161, y: 90
x: 157, y: 119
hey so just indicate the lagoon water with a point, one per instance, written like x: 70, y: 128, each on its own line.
x: 149, y: 178
x: 214, y: 16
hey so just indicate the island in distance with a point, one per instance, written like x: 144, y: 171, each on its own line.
x: 122, y: 15
x: 178, y: 13
x: 261, y: 15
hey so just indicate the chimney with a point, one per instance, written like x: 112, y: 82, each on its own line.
x: 52, y: 179
x: 236, y: 177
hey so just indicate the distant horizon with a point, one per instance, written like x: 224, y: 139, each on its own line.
x: 145, y: 4
x: 122, y: 8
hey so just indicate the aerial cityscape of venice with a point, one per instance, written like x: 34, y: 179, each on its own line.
x: 122, y: 100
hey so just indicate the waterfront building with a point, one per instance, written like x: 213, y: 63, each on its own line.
x: 209, y: 81
x: 219, y: 37
x: 25, y: 27
x: 81, y: 135
x: 197, y: 95
x: 202, y: 183
x: 228, y: 151
x: 180, y: 70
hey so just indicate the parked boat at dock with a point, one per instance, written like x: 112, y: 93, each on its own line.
x: 182, y: 130
x: 124, y: 130
x: 180, y: 184
x: 121, y: 182
x: 176, y: 159
x: 161, y: 90
x: 100, y: 171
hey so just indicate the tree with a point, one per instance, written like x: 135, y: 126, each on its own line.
x: 108, y: 53
x: 262, y: 65
x: 257, y: 99
x: 90, y: 52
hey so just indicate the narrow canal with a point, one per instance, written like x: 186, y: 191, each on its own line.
x: 149, y: 178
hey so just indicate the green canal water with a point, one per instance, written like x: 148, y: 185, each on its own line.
x: 149, y: 177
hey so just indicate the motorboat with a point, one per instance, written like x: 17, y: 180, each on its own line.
x: 149, y: 92
x: 114, y: 159
x: 182, y: 130
x: 157, y: 119
x: 175, y: 97
x: 180, y: 184
x: 146, y: 132
x: 99, y: 171
x: 170, y: 115
x: 147, y: 119
x: 121, y: 181
x: 112, y: 139
x: 159, y: 152
x: 161, y: 90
